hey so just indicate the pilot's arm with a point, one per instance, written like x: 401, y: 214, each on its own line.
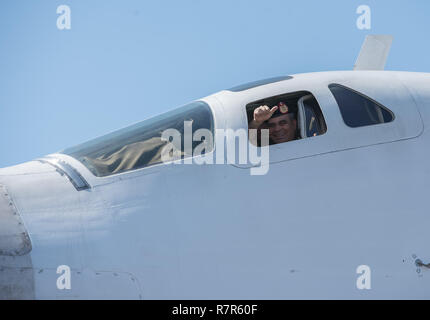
x: 261, y: 114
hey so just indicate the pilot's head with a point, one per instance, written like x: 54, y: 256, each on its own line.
x: 282, y: 125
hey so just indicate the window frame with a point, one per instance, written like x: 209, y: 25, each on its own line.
x: 380, y: 105
x: 204, y: 104
x: 299, y: 116
x: 339, y: 137
x: 302, y: 113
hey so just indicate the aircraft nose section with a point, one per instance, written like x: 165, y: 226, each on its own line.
x: 14, y: 239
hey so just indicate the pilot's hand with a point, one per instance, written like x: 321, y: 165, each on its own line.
x: 264, y: 113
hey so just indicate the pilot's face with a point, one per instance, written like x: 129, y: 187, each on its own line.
x: 282, y: 128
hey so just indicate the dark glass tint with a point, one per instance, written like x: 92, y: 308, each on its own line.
x: 358, y: 110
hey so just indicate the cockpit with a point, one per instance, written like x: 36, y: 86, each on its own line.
x: 141, y: 145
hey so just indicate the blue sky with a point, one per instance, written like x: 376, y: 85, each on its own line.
x: 124, y: 61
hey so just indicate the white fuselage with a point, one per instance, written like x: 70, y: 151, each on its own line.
x: 328, y: 204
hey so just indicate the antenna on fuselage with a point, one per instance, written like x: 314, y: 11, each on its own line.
x: 374, y: 52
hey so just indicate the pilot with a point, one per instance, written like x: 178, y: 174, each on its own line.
x: 280, y: 121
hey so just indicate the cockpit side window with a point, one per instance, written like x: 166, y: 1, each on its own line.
x: 312, y: 121
x: 141, y: 145
x: 288, y: 117
x: 358, y: 110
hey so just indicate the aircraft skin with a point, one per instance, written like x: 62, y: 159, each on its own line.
x: 328, y: 204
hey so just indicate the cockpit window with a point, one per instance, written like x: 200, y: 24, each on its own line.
x: 288, y: 117
x: 141, y: 145
x: 357, y: 110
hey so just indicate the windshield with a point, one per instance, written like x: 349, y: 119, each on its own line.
x: 140, y: 145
